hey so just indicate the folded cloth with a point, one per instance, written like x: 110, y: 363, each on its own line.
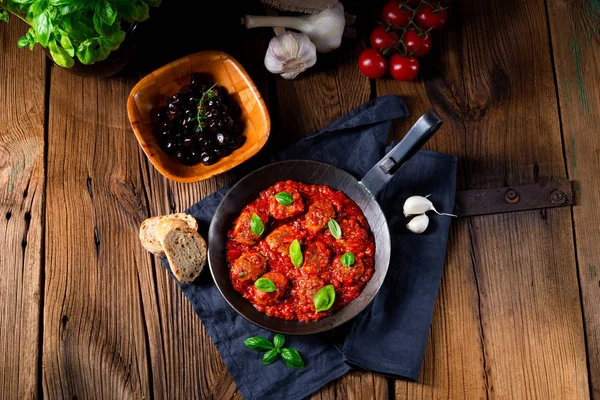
x: 400, y: 315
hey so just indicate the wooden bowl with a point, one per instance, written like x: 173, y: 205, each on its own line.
x: 219, y: 67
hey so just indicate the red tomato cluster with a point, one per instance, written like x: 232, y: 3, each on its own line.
x: 404, y: 35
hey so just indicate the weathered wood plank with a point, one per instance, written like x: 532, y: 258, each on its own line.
x: 575, y: 32
x: 98, y: 305
x: 515, y: 330
x: 22, y: 95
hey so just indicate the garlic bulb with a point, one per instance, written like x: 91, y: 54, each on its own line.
x: 418, y: 224
x: 290, y: 54
x: 415, y: 205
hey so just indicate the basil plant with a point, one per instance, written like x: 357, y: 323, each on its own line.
x: 84, y: 29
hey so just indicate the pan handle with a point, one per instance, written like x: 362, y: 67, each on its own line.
x: 416, y: 137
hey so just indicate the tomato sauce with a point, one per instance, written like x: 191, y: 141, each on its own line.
x: 306, y: 220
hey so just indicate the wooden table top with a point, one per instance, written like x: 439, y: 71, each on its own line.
x: 86, y: 313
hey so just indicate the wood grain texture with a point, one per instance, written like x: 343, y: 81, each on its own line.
x: 22, y: 94
x: 95, y: 312
x: 575, y: 33
x: 493, y: 82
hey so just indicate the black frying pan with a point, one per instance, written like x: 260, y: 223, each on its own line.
x: 362, y: 192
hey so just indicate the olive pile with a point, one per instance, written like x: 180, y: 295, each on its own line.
x: 199, y: 124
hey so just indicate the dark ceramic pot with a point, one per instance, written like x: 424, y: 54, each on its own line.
x: 116, y: 61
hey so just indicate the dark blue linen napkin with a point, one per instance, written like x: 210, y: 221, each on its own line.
x: 401, y: 313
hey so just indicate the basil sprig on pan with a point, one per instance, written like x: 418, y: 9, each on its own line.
x: 265, y: 285
x: 334, y: 228
x: 284, y: 198
x: 257, y: 225
x: 324, y: 298
x: 347, y: 259
x: 273, y: 349
x: 296, y: 253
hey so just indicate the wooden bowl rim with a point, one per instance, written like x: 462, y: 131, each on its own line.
x: 210, y: 172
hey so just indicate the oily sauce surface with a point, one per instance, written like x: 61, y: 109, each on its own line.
x: 251, y: 257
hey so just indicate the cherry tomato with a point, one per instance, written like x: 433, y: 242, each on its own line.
x: 419, y: 44
x: 403, y: 68
x: 372, y: 64
x: 431, y: 18
x: 383, y: 40
x: 395, y: 15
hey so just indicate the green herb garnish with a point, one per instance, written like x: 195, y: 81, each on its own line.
x: 334, y: 228
x: 324, y: 298
x: 265, y: 285
x: 272, y: 350
x: 284, y: 198
x: 206, y: 96
x: 256, y: 225
x: 296, y: 253
x: 347, y: 259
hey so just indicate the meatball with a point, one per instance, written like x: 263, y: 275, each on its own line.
x: 306, y: 289
x: 316, y: 258
x: 348, y: 275
x: 248, y: 267
x: 280, y: 239
x: 279, y: 211
x: 354, y: 238
x: 242, y: 230
x: 318, y: 215
x: 270, y: 298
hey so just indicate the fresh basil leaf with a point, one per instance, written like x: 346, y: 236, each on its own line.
x: 112, y: 41
x: 324, y: 298
x: 284, y: 198
x: 270, y: 356
x: 4, y: 17
x: 106, y: 12
x: 334, y: 228
x: 292, y: 358
x: 347, y: 259
x: 257, y: 225
x: 279, y: 340
x: 86, y: 55
x: 296, y: 253
x: 98, y: 24
x: 265, y: 285
x: 258, y: 343
x: 66, y: 44
x: 60, y: 55
x: 43, y: 28
x: 23, y: 42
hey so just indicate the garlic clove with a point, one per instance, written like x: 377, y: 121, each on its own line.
x: 418, y: 224
x: 415, y: 205
x: 290, y: 54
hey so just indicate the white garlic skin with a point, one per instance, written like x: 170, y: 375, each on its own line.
x: 290, y: 54
x: 418, y: 224
x: 416, y: 205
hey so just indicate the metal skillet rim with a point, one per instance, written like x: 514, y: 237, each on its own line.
x: 323, y: 328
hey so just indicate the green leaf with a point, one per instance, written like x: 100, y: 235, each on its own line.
x: 85, y: 54
x: 270, y: 357
x: 324, y: 298
x: 106, y: 12
x: 296, y: 253
x: 4, y: 17
x: 153, y: 3
x: 334, y: 228
x: 99, y: 25
x: 292, y: 358
x: 257, y: 225
x: 66, y: 44
x: 279, y: 341
x: 112, y: 41
x: 60, y: 55
x: 284, y: 198
x: 23, y: 42
x: 347, y: 259
x: 258, y: 343
x: 265, y: 285
x: 42, y: 27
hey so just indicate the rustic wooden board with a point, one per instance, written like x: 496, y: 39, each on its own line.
x: 98, y: 305
x: 517, y: 330
x: 22, y: 181
x: 575, y: 32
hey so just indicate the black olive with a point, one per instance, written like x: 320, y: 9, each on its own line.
x: 237, y: 142
x: 169, y: 146
x: 215, y: 124
x: 228, y: 122
x: 213, y: 102
x: 222, y: 138
x: 235, y: 111
x: 238, y: 127
x: 207, y: 158
x: 189, y: 141
x: 210, y: 112
x: 222, y: 152
x: 196, y: 81
x: 173, y: 100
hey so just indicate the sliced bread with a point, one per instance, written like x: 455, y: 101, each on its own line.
x: 148, y: 230
x: 185, y: 249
